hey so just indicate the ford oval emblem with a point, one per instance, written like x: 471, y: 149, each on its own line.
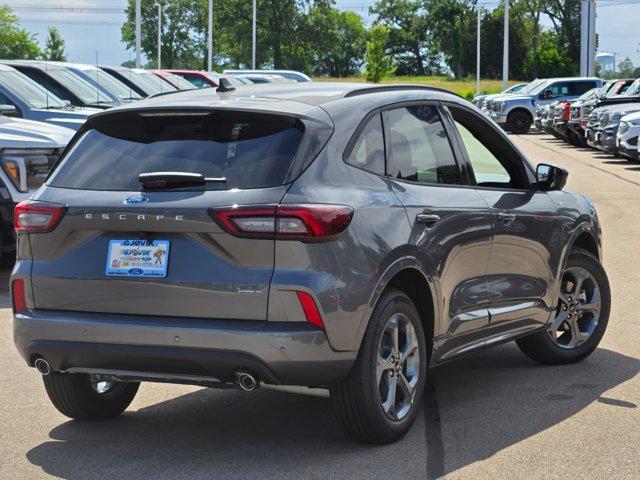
x: 135, y: 271
x: 133, y: 199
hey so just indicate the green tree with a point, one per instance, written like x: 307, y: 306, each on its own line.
x: 181, y: 38
x: 625, y: 68
x: 54, y: 46
x: 410, y: 38
x: 378, y: 63
x: 15, y: 42
x: 335, y: 39
x: 552, y: 60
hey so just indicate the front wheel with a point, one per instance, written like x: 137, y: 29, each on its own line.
x: 380, y: 398
x: 86, y: 397
x: 581, y: 315
x: 519, y: 122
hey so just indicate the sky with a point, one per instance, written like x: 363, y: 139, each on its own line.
x: 92, y: 27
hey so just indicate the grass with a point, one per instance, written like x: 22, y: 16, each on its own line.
x: 465, y: 87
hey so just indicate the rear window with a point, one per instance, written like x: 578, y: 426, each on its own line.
x: 249, y: 150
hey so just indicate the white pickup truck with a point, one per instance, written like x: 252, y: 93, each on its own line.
x: 28, y: 149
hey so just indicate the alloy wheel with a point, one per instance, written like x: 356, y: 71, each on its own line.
x: 578, y: 309
x: 398, y: 366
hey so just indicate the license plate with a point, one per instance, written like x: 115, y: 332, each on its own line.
x: 138, y: 258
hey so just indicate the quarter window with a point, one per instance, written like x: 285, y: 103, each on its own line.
x: 418, y: 146
x: 368, y: 150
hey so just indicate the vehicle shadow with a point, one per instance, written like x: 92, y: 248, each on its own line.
x: 498, y: 398
x: 486, y: 403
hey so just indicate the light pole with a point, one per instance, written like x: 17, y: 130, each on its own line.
x: 478, y: 53
x: 159, y: 7
x: 253, y: 50
x: 138, y: 33
x: 210, y: 38
x: 505, y: 50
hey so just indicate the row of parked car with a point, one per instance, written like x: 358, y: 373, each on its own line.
x: 585, y: 112
x: 42, y: 104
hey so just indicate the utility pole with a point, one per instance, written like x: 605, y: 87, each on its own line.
x: 505, y: 48
x: 588, y: 38
x: 159, y: 7
x: 253, y: 51
x: 138, y: 32
x: 478, y: 52
x: 210, y: 38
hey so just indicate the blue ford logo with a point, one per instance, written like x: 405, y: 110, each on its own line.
x: 135, y: 199
x: 135, y: 271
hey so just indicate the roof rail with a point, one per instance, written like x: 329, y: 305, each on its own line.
x: 393, y: 88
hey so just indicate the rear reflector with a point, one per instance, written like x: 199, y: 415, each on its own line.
x: 307, y: 222
x: 17, y: 296
x: 34, y: 216
x: 310, y: 309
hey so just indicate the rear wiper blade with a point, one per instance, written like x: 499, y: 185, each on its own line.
x: 173, y: 179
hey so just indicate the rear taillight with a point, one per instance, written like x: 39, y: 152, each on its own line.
x: 17, y: 296
x: 310, y: 309
x: 33, y: 216
x: 307, y: 222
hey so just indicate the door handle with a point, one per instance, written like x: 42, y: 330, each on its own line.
x: 506, y: 217
x: 427, y: 218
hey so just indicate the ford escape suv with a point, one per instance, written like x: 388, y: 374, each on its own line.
x: 345, y: 236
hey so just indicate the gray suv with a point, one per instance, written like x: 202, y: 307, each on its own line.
x: 345, y: 236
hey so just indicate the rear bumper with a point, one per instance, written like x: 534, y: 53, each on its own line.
x: 287, y: 353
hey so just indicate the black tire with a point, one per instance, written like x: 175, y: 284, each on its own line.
x: 74, y: 396
x: 519, y: 122
x: 541, y: 348
x: 357, y: 400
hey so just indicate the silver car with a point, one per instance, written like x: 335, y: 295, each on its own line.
x: 345, y: 236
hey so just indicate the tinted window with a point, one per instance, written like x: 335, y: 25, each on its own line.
x: 578, y: 88
x: 368, y: 150
x: 419, y: 149
x: 494, y: 160
x: 196, y: 80
x: 249, y: 151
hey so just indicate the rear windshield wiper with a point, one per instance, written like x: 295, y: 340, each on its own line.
x: 175, y: 179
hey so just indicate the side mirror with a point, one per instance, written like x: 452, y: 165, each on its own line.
x: 550, y: 177
x: 7, y: 109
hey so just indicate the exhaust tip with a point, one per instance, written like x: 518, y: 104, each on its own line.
x: 42, y: 366
x: 246, y: 381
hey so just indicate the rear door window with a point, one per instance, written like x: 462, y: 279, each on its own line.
x: 249, y: 150
x: 578, y: 88
x: 418, y: 146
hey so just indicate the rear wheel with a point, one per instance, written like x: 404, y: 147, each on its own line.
x: 519, y: 122
x: 86, y: 397
x: 581, y: 316
x: 380, y: 398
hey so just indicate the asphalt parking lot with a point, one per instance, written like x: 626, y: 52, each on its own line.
x: 493, y: 415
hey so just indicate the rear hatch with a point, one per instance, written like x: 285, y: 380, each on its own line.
x: 154, y: 248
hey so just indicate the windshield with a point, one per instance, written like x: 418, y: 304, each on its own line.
x: 156, y: 83
x: 539, y: 87
x: 527, y: 88
x: 515, y: 88
x: 115, y: 87
x: 76, y: 85
x: 29, y: 91
x: 634, y: 88
x: 587, y: 95
x: 179, y: 81
x: 248, y: 150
